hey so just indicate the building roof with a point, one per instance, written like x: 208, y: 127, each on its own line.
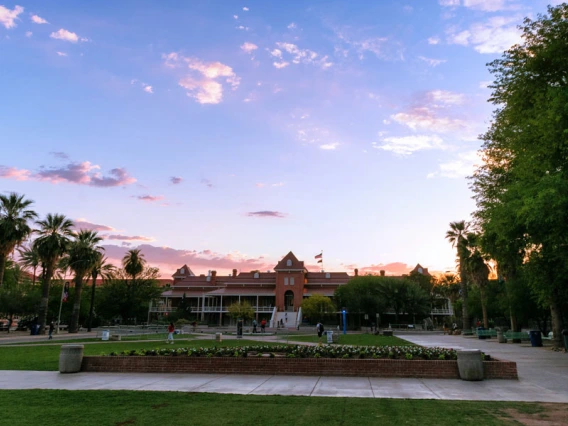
x: 421, y: 270
x: 294, y: 263
x: 184, y: 271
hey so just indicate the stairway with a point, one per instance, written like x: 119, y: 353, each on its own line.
x: 288, y: 319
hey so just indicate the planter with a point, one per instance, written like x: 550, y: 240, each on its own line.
x: 470, y: 365
x: 387, y: 333
x: 70, y: 358
x: 292, y: 366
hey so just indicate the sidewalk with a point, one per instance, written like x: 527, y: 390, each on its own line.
x: 356, y: 387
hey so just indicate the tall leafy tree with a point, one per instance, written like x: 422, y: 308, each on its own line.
x: 55, y: 233
x: 317, y: 307
x: 133, y: 263
x: 523, y: 183
x: 457, y: 236
x: 82, y: 256
x: 100, y: 269
x: 15, y: 216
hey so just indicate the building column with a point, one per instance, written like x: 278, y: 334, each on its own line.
x: 221, y: 312
x: 203, y: 309
x: 256, y: 308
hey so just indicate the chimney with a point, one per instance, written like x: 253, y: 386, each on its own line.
x: 234, y: 272
x: 356, y: 272
x: 382, y: 273
x: 213, y: 274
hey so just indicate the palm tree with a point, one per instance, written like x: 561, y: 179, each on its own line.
x: 53, y: 242
x: 82, y: 256
x: 29, y: 259
x: 478, y: 271
x: 105, y: 271
x: 14, y: 228
x: 133, y: 263
x: 457, y: 236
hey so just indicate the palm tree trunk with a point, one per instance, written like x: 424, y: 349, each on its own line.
x: 34, y: 278
x: 91, y: 309
x: 484, y: 306
x: 44, y: 299
x: 74, y: 325
x: 2, y: 268
x: 465, y: 313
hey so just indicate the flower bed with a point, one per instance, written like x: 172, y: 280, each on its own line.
x: 302, y: 351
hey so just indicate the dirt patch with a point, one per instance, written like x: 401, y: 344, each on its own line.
x: 545, y: 414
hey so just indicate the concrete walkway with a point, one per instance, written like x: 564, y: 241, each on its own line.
x: 358, y: 387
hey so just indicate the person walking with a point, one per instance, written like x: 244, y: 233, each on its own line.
x: 254, y: 330
x: 51, y: 327
x: 263, y: 325
x: 171, y: 329
x: 319, y: 329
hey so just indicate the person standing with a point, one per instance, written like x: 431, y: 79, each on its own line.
x: 171, y: 330
x: 254, y: 330
x: 51, y: 327
x: 319, y: 329
x: 263, y: 325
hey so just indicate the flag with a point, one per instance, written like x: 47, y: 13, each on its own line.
x: 319, y: 256
x: 320, y: 261
x: 65, y: 295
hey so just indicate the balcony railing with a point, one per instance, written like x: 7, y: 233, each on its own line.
x: 218, y: 309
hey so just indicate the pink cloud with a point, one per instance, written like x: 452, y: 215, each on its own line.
x: 150, y: 198
x: 83, y: 224
x: 175, y: 180
x: 13, y: 173
x: 79, y: 173
x: 128, y: 238
x: 169, y: 259
x: 266, y: 213
x: 394, y: 268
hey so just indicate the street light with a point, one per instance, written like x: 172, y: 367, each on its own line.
x: 344, y: 312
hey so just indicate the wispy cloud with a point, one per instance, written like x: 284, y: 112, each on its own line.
x: 84, y: 173
x: 433, y: 40
x: 248, y: 47
x: 296, y: 55
x: 60, y: 155
x: 432, y: 62
x: 149, y: 198
x: 38, y: 20
x: 207, y: 183
x: 246, y: 9
x: 84, y: 224
x: 61, y: 54
x: 494, y: 35
x: 407, y: 145
x: 292, y: 26
x: 483, y: 5
x: 384, y: 48
x: 203, y: 85
x: 119, y: 237
x: 266, y: 213
x: 65, y: 35
x: 461, y: 166
x: 9, y: 16
x: 148, y: 89
x: 176, y: 180
x: 330, y: 146
x: 29, y: 34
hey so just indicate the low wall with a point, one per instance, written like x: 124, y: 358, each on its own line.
x: 292, y: 366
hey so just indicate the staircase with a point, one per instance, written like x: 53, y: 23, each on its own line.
x: 288, y: 319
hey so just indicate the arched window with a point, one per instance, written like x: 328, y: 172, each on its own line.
x: 289, y: 262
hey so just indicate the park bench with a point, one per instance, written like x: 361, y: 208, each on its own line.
x: 516, y: 335
x: 486, y: 334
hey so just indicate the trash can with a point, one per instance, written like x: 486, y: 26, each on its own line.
x: 536, y: 338
x: 330, y: 337
x: 501, y: 336
x: 565, y: 336
x: 105, y: 335
x: 218, y: 337
x: 481, y: 336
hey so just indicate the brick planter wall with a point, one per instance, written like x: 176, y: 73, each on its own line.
x: 291, y: 366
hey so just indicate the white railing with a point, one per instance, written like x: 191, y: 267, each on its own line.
x: 260, y: 309
x: 442, y: 311
x: 273, y: 317
x: 162, y: 309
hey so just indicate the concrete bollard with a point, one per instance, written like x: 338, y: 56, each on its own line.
x: 219, y: 337
x: 70, y: 358
x: 470, y: 365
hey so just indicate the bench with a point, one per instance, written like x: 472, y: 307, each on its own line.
x: 486, y: 334
x: 516, y: 335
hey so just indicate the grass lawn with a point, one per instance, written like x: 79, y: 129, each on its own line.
x: 352, y: 339
x: 46, y: 357
x: 59, y: 407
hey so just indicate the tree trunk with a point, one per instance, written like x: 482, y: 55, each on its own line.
x: 34, y: 278
x: 557, y: 323
x: 465, y: 314
x: 484, y: 307
x: 92, y: 307
x: 74, y: 325
x: 44, y: 299
x: 2, y: 268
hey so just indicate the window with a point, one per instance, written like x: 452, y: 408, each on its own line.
x: 291, y: 281
x: 327, y: 275
x: 182, y: 271
x: 256, y: 275
x: 286, y: 281
x: 289, y: 262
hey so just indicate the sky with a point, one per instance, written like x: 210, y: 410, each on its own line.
x: 223, y: 134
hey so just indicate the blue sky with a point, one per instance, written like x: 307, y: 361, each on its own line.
x: 224, y: 134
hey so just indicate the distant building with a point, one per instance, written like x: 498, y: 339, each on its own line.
x: 275, y: 296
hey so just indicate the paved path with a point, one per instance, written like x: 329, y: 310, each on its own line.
x: 358, y: 387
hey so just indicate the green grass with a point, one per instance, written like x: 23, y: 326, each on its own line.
x: 58, y: 407
x: 46, y: 357
x: 352, y: 339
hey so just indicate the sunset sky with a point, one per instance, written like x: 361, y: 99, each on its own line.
x: 222, y: 134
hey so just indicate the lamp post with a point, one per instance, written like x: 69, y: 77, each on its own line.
x: 344, y: 312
